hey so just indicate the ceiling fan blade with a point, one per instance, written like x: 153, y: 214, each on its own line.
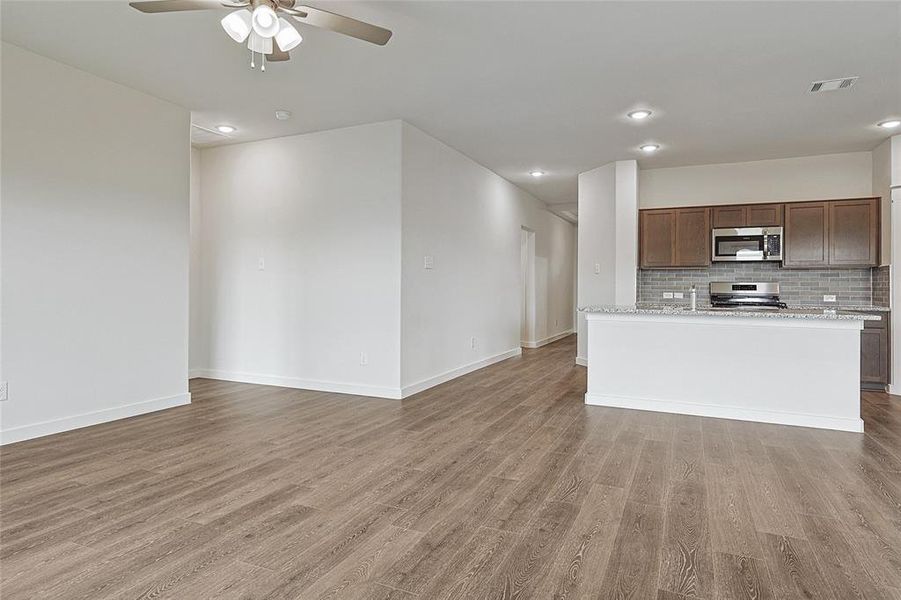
x: 159, y: 6
x: 277, y: 55
x: 341, y: 24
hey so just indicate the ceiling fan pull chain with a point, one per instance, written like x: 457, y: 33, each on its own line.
x: 252, y: 66
x: 262, y: 62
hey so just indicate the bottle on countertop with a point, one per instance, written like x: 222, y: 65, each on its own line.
x: 694, y: 298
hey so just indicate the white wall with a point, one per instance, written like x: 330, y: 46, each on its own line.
x: 469, y: 220
x: 323, y: 212
x: 882, y: 187
x: 198, y: 351
x: 94, y: 249
x: 608, y: 239
x: 848, y: 175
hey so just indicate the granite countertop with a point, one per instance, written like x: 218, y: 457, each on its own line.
x: 840, y: 308
x: 790, y: 313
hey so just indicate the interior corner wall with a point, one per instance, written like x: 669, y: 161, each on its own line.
x: 469, y: 220
x: 608, y: 239
x: 300, y: 249
x: 94, y: 249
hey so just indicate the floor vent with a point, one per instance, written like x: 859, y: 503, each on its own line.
x: 830, y: 85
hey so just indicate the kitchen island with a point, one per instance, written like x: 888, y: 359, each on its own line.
x: 792, y: 367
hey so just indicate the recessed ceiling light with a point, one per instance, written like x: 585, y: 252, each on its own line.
x: 890, y: 124
x: 648, y: 148
x: 283, y: 115
x: 639, y: 115
x: 536, y: 173
x: 225, y: 129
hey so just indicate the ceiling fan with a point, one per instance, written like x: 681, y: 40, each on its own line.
x: 267, y: 26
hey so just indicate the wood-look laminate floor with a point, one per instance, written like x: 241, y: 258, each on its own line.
x: 500, y: 484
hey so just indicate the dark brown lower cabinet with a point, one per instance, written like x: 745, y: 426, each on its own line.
x: 874, y: 354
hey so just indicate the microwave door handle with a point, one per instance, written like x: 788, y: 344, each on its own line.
x: 766, y: 246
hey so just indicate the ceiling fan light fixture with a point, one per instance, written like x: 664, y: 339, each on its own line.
x: 287, y: 37
x: 237, y: 25
x: 259, y: 44
x: 265, y: 22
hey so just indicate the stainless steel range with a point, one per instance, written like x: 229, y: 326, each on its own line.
x: 761, y: 296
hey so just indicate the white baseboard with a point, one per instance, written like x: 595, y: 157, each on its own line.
x: 546, y: 340
x: 419, y: 386
x: 893, y: 390
x: 582, y: 362
x: 728, y: 412
x: 301, y: 384
x: 35, y: 430
x: 195, y: 373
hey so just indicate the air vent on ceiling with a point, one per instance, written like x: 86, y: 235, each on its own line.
x: 201, y: 136
x: 830, y: 85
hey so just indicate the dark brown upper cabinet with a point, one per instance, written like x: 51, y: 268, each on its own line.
x: 674, y: 237
x: 854, y: 233
x: 692, y: 237
x: 765, y: 215
x: 730, y: 216
x: 747, y: 215
x: 837, y: 233
x: 832, y: 233
x: 806, y: 240
x: 657, y: 233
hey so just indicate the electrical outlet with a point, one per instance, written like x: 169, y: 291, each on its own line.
x: 667, y: 295
x: 678, y: 295
x: 428, y: 262
x: 4, y: 391
x: 828, y: 297
x: 472, y: 342
x: 261, y: 265
x: 364, y: 359
x: 597, y: 268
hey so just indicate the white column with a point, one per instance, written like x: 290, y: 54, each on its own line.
x: 895, y: 338
x: 607, y: 239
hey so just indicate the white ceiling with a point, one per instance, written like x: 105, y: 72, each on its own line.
x: 520, y: 85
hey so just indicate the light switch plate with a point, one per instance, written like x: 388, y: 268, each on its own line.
x: 828, y: 297
x: 667, y: 295
x: 428, y: 262
x: 678, y: 295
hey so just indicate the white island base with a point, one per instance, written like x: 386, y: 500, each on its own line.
x: 791, y: 371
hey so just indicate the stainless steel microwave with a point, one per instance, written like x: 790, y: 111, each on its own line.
x: 747, y: 244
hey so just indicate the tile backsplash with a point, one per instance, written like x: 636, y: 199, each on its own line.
x: 881, y: 283
x: 852, y: 287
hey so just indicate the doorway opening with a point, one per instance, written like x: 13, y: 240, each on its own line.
x: 527, y: 279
